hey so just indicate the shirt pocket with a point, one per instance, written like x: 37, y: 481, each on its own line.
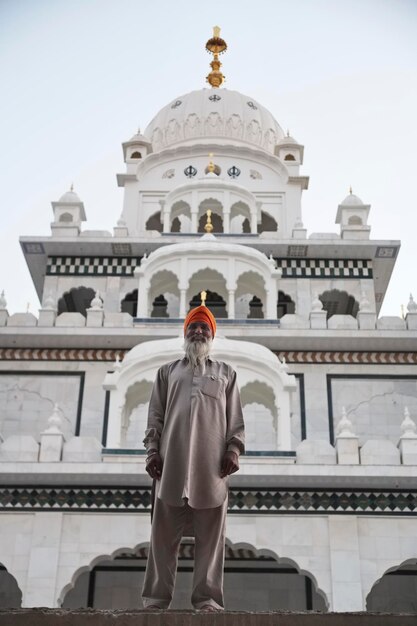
x: 212, y: 386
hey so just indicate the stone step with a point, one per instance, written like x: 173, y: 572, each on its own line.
x: 91, y: 617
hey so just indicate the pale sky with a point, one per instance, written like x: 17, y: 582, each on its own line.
x: 79, y: 76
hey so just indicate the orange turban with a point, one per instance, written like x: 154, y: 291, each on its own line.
x: 200, y: 314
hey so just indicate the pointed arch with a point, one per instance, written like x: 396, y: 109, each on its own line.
x: 154, y: 222
x: 129, y: 304
x: 285, y: 305
x: 76, y: 300
x: 337, y: 302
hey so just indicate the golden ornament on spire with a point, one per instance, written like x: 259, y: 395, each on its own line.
x: 211, y: 168
x: 215, y: 46
x: 209, y: 226
x: 350, y: 190
x: 203, y: 295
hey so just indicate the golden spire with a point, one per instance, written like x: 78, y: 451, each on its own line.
x: 350, y: 190
x: 216, y: 45
x: 72, y: 187
x: 209, y: 226
x: 203, y: 295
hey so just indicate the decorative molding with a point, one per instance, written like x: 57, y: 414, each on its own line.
x: 323, y: 268
x: 106, y: 355
x: 350, y: 358
x: 91, y: 265
x: 248, y: 501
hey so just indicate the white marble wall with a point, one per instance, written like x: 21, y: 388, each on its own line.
x: 344, y: 555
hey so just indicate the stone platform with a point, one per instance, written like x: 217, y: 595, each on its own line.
x: 91, y: 617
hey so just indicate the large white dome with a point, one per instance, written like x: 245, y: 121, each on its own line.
x: 214, y: 114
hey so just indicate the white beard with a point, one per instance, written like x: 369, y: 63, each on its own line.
x: 197, y: 352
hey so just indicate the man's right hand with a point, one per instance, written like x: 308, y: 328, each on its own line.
x: 154, y: 466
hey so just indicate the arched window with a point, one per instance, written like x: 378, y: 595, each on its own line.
x: 355, y: 220
x: 337, y: 302
x: 130, y: 303
x: 136, y: 155
x: 66, y: 217
x: 285, y: 305
x: 76, y: 300
x: 289, y: 157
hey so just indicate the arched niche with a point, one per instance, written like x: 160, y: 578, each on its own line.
x: 254, y: 580
x: 180, y: 217
x: 267, y: 223
x: 134, y: 415
x: 66, y: 217
x: 10, y: 594
x: 154, y: 222
x: 285, y: 305
x: 76, y: 300
x: 216, y: 208
x: 261, y: 415
x: 355, y: 220
x: 337, y: 302
x: 129, y: 304
x: 164, y: 283
x: 396, y: 590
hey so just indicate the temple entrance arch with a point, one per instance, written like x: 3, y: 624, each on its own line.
x: 255, y: 580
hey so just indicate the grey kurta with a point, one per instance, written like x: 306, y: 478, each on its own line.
x: 194, y: 417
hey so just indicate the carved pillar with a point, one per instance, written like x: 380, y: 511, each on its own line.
x: 231, y: 304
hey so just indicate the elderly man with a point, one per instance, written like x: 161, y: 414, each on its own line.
x: 194, y: 437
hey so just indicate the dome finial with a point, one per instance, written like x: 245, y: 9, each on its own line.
x: 203, y: 295
x: 216, y: 46
x: 72, y: 187
x: 350, y: 190
x: 211, y: 169
x: 209, y: 226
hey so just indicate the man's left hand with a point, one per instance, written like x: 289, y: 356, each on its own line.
x: 230, y: 463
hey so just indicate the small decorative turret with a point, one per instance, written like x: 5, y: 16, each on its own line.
x: 411, y: 306
x: 3, y: 301
x: 97, y: 302
x: 216, y: 46
x: 408, y: 426
x: 54, y: 421
x: 344, y: 427
x: 203, y: 295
